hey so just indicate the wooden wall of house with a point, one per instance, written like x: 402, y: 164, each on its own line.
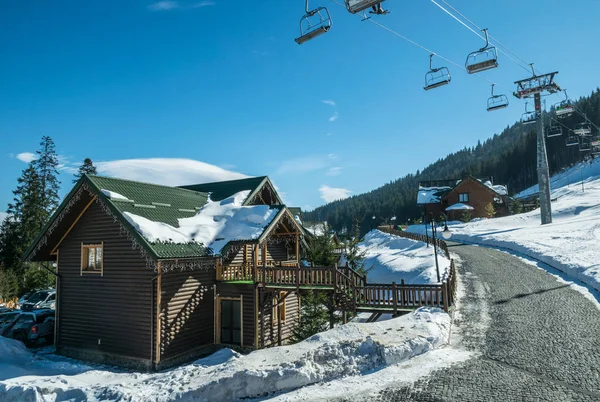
x: 267, y: 326
x: 275, y: 252
x: 247, y: 292
x: 187, y: 308
x: 479, y: 197
x: 108, y: 314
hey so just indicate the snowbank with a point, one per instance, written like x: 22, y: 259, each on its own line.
x: 431, y: 195
x: 12, y: 351
x: 394, y: 258
x: 215, y: 225
x: 569, y: 244
x: 351, y: 349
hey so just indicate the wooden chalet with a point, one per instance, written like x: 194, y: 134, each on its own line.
x: 128, y: 297
x: 453, y: 197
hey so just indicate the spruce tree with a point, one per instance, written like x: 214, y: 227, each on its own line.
x: 314, y: 316
x: 354, y: 257
x: 46, y: 166
x: 490, y: 210
x: 321, y: 248
x: 86, y: 168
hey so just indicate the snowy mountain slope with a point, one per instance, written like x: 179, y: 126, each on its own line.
x: 570, y: 244
x: 352, y: 349
x: 394, y: 258
x: 584, y: 171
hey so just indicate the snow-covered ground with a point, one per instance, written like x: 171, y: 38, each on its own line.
x: 354, y: 349
x: 570, y: 244
x: 394, y: 258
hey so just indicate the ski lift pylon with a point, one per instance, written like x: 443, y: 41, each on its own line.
x: 529, y: 117
x: 583, y: 129
x: 496, y: 102
x: 572, y: 139
x: 564, y: 108
x: 314, y: 23
x: 436, y: 77
x: 484, y: 59
x: 356, y: 6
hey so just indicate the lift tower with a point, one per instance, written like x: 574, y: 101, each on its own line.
x: 533, y: 87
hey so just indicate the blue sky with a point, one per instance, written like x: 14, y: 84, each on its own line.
x: 223, y: 83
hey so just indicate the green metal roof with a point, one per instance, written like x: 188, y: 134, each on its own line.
x: 223, y: 189
x: 159, y: 204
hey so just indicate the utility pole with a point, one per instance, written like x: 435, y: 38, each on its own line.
x: 526, y: 88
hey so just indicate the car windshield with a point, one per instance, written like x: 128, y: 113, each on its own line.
x: 37, y: 297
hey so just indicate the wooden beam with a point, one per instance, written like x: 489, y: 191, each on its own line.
x: 73, y: 224
x: 256, y: 302
x: 297, y: 248
x: 158, y: 311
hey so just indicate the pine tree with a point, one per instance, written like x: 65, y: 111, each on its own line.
x: 466, y: 216
x: 86, y: 168
x: 490, y: 210
x: 314, y: 316
x: 354, y: 257
x: 46, y: 166
x: 321, y: 248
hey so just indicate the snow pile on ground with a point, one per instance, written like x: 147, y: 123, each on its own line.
x: 394, y: 258
x: 215, y: 225
x: 569, y: 244
x: 12, y: 351
x: 351, y: 349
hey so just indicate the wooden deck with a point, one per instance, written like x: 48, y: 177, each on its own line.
x: 351, y: 288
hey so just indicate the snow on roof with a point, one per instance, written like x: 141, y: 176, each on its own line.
x: 298, y: 220
x: 459, y: 206
x: 215, y: 225
x: 500, y: 189
x: 317, y: 229
x: 113, y: 195
x: 431, y: 195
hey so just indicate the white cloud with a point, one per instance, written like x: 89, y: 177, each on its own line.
x: 203, y: 4
x: 304, y: 164
x: 26, y: 157
x: 330, y: 194
x: 334, y: 117
x: 164, y: 5
x: 329, y: 102
x: 3, y: 216
x: 334, y: 171
x: 172, y: 5
x: 166, y: 171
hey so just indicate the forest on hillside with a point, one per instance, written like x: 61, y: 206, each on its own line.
x: 508, y: 157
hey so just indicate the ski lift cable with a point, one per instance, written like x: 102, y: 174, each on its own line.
x: 412, y: 42
x: 480, y: 36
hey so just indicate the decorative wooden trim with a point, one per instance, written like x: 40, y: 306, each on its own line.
x: 73, y: 224
x: 158, y: 311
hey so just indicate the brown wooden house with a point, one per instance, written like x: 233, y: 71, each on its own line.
x: 125, y: 299
x: 454, y: 197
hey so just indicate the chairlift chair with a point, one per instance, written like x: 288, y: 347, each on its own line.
x: 572, y: 139
x: 555, y: 130
x: 583, y: 129
x: 314, y: 23
x: 356, y: 6
x: 564, y: 108
x: 529, y: 117
x: 485, y: 58
x: 585, y: 144
x: 436, y: 77
x: 595, y: 147
x: 496, y: 102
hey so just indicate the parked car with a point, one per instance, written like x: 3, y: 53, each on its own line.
x: 40, y: 299
x: 26, y: 297
x: 33, y: 326
x: 7, y: 320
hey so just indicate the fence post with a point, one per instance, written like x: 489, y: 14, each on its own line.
x: 297, y: 277
x: 395, y: 297
x: 445, y: 295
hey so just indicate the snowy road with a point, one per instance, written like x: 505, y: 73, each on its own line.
x: 542, y: 341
